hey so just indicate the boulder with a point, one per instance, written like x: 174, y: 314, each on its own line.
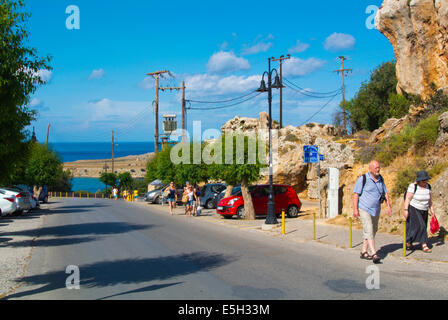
x: 418, y: 32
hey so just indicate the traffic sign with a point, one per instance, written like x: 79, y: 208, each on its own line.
x: 311, y: 154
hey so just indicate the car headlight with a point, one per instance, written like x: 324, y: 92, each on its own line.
x: 231, y: 202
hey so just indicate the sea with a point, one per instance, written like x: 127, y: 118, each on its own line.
x: 73, y: 151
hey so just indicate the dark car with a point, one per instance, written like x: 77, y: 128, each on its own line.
x: 44, y: 195
x: 209, y: 193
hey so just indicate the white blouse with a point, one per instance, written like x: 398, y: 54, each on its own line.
x: 421, y: 198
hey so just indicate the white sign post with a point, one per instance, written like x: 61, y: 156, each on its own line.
x: 333, y: 193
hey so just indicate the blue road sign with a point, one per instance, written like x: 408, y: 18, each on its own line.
x: 310, y: 154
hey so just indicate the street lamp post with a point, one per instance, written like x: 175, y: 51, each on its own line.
x: 271, y: 216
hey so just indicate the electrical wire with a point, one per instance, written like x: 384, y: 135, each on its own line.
x: 227, y: 106
x: 328, y: 102
x: 310, y: 93
x: 224, y: 101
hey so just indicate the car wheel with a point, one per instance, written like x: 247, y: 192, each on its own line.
x: 157, y: 200
x: 292, y: 211
x: 240, y: 213
x: 209, y: 204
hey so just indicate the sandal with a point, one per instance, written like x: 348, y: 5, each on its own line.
x: 365, y: 256
x: 375, y: 258
x: 409, y: 246
x: 426, y: 249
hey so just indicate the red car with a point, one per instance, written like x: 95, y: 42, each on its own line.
x: 284, y: 197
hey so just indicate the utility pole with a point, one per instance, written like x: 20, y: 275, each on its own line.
x: 156, y: 75
x: 183, y: 105
x: 281, y: 88
x: 113, y: 151
x: 342, y: 71
x: 48, y: 133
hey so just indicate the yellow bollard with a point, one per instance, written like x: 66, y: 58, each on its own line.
x: 66, y: 194
x: 283, y: 221
x: 350, y: 230
x: 314, y: 226
x: 404, y: 238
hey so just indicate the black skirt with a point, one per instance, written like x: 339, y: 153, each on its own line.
x: 417, y: 225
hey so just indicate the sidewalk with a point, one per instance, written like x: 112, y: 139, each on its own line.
x: 300, y: 230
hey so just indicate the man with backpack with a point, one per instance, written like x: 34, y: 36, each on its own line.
x: 369, y: 193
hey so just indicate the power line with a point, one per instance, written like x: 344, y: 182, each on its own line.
x: 328, y: 102
x: 227, y: 106
x: 224, y: 101
x: 308, y: 93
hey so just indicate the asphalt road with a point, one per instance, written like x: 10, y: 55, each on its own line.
x: 124, y: 251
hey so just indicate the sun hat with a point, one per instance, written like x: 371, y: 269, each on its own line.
x: 422, y: 175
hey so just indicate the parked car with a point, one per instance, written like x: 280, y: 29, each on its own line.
x: 221, y: 195
x: 156, y: 195
x: 284, y: 197
x: 209, y: 192
x: 44, y: 195
x: 23, y: 198
x: 8, y: 204
x: 34, y: 202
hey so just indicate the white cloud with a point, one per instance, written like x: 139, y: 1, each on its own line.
x: 207, y: 84
x: 97, y: 74
x: 296, y: 67
x: 339, y: 41
x: 299, y: 47
x: 262, y: 45
x: 224, y: 62
x: 147, y: 83
x: 45, y: 75
x: 35, y: 103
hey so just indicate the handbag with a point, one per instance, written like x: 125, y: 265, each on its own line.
x: 434, y: 225
x: 185, y: 198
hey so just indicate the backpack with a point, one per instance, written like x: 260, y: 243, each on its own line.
x: 364, y: 180
x: 415, y: 190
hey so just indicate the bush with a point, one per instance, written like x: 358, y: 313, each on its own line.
x: 426, y: 132
x: 403, y: 179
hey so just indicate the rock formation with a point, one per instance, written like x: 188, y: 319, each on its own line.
x: 418, y: 31
x: 288, y: 143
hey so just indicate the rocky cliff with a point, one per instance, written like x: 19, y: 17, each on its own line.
x: 418, y: 31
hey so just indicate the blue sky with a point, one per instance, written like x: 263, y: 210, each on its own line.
x: 99, y: 83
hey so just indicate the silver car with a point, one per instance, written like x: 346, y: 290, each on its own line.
x: 23, y: 198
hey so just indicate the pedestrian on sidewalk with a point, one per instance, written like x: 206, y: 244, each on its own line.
x: 369, y: 193
x: 190, y: 197
x: 418, y: 204
x: 172, y: 196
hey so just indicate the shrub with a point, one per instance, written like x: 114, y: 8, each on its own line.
x: 291, y: 138
x: 426, y: 132
x: 403, y: 179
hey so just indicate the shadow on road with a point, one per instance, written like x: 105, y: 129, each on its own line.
x: 80, y: 229
x: 128, y: 271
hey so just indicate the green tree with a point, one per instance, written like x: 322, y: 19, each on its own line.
x: 109, y: 178
x: 44, y: 167
x: 19, y: 78
x: 376, y: 101
x: 243, y: 168
x: 126, y: 181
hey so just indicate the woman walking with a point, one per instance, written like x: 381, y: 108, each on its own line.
x: 172, y: 196
x: 418, y: 204
x: 189, y: 205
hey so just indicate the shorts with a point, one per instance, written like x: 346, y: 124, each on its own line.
x: 189, y: 203
x: 170, y: 199
x: 369, y: 224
